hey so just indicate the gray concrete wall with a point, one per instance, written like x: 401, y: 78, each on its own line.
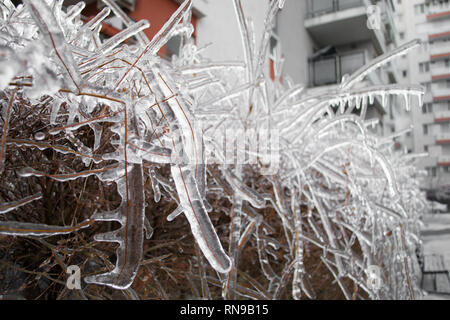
x: 219, y: 27
x: 296, y: 43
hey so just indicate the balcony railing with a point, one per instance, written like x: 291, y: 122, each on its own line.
x: 438, y: 10
x: 438, y: 16
x: 439, y: 35
x: 440, y: 77
x: 439, y: 67
x: 443, y: 138
x: 440, y: 91
x: 437, y: 99
x: 329, y: 70
x: 439, y: 47
x: 444, y: 161
x: 442, y: 116
x: 320, y: 7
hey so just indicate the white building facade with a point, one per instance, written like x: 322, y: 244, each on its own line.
x: 323, y: 40
x: 429, y: 21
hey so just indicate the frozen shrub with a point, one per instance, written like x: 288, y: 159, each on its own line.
x: 294, y: 175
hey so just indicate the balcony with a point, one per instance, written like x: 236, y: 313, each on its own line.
x: 443, y: 138
x: 441, y: 98
x: 439, y: 67
x: 440, y: 71
x: 328, y: 70
x: 438, y: 15
x: 440, y: 91
x: 440, y: 77
x: 438, y: 10
x: 339, y: 22
x: 444, y: 161
x: 440, y: 56
x: 317, y: 8
x: 439, y: 50
x: 442, y: 116
x: 439, y: 36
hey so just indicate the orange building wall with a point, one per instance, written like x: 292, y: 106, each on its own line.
x: 157, y: 12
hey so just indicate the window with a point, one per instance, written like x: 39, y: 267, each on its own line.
x: 405, y: 73
x: 427, y: 108
x: 424, y: 67
x: 426, y: 148
x: 419, y: 8
x: 425, y: 129
x: 447, y: 63
x: 402, y: 35
x: 432, y: 171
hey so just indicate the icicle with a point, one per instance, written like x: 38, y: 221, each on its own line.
x: 245, y: 38
x: 165, y: 32
x: 175, y: 213
x: 208, y: 67
x: 57, y: 148
x: 130, y: 236
x: 6, y: 117
x: 298, y: 267
x: 155, y: 186
x: 25, y: 229
x: 420, y: 98
x: 28, y: 172
x: 384, y: 98
x: 92, y: 24
x: 406, y: 99
x: 142, y: 38
x: 116, y: 40
x: 9, y: 206
x: 371, y: 98
x: 199, y: 221
x: 245, y: 192
x: 75, y: 10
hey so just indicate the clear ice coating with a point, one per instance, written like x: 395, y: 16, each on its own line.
x: 333, y: 183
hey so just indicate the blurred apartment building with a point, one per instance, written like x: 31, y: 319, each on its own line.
x: 429, y: 21
x: 323, y: 40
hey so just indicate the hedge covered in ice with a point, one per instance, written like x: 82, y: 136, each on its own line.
x: 103, y: 139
